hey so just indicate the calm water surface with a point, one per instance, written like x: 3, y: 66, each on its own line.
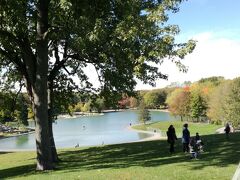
x: 89, y: 130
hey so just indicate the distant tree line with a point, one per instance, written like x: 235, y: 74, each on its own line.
x: 211, y: 99
x: 16, y: 107
x: 214, y: 99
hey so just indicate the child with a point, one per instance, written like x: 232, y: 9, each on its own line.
x: 199, y: 142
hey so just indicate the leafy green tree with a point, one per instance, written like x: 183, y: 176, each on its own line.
x: 154, y: 98
x: 23, y: 111
x: 42, y: 40
x: 9, y: 105
x: 151, y: 99
x: 198, y: 106
x: 5, y: 107
x: 99, y: 104
x: 144, y: 114
x: 161, y: 99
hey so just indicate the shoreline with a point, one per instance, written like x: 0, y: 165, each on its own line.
x: 84, y: 114
x: 155, y: 135
x: 77, y: 115
x: 18, y: 134
x: 160, y: 110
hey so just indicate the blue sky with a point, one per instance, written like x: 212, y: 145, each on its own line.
x: 196, y: 16
x: 215, y: 24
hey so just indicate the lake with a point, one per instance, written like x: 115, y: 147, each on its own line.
x: 109, y: 128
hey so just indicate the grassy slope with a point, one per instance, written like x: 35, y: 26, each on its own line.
x: 142, y: 160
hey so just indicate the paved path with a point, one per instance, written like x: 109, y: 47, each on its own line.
x: 236, y: 175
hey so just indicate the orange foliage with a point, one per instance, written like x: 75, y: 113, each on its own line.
x: 205, y: 90
x: 186, y: 88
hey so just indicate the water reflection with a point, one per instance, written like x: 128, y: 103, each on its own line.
x: 22, y: 140
x: 144, y: 135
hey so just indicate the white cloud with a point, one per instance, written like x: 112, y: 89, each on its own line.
x: 214, y: 55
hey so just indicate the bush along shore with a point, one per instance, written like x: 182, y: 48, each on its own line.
x: 8, y: 131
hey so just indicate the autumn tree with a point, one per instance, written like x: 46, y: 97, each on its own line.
x: 217, y: 103
x: 179, y: 103
x: 232, y: 106
x: 133, y: 102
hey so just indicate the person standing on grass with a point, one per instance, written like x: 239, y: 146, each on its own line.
x: 171, y: 137
x: 185, y: 138
x: 227, y: 130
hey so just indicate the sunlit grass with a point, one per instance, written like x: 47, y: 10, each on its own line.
x: 142, y: 160
x: 201, y: 128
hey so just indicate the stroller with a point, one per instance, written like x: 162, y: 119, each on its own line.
x: 195, y: 148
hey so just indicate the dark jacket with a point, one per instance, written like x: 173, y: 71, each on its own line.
x: 186, y: 135
x: 227, y: 129
x: 171, y: 135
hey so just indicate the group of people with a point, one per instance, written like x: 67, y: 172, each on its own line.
x: 192, y: 145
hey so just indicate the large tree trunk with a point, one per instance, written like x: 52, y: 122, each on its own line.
x: 40, y: 97
x: 44, y: 158
x: 54, y: 154
x: 50, y: 121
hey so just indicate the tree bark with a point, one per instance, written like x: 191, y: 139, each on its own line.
x: 54, y: 154
x: 44, y: 158
x: 50, y: 121
x: 39, y: 89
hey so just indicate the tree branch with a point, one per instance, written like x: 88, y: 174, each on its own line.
x: 58, y: 64
x: 10, y: 37
x: 13, y: 57
x: 74, y: 71
x: 99, y: 77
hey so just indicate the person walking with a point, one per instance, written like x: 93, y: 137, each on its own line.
x: 227, y: 130
x: 171, y: 137
x: 185, y: 138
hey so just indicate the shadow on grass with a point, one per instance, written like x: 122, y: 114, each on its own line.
x: 17, y: 171
x: 219, y: 152
x: 4, y: 152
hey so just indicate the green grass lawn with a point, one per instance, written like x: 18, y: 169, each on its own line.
x: 201, y: 128
x: 141, y: 160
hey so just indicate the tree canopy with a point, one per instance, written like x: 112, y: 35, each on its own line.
x: 47, y: 42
